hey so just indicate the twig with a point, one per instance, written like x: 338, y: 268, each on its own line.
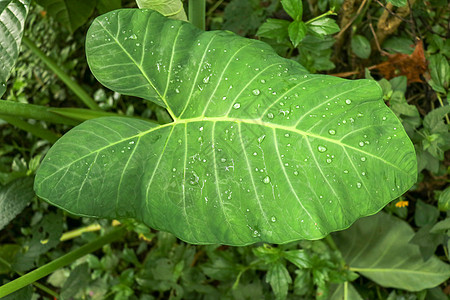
x: 393, y: 13
x: 351, y: 20
x: 375, y: 38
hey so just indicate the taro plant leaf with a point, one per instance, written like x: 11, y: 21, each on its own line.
x: 14, y: 197
x: 378, y: 247
x: 169, y: 8
x: 258, y: 150
x: 12, y: 19
x: 70, y: 13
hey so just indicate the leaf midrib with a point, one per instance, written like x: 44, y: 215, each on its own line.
x: 241, y: 121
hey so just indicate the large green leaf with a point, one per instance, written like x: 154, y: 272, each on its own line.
x: 70, y: 13
x: 379, y: 248
x: 259, y: 150
x: 12, y: 18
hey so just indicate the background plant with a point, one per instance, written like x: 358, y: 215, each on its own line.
x: 193, y: 271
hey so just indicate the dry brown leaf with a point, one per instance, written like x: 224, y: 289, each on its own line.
x: 411, y: 66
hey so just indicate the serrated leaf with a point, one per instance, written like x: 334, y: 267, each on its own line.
x: 14, y: 197
x: 12, y: 18
x: 259, y: 149
x: 378, y: 247
x: 169, y: 8
x: 297, y: 31
x: 69, y: 13
x: 294, y: 8
x: 279, y: 279
x: 298, y: 258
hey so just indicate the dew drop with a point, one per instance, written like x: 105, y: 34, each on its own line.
x: 361, y: 144
x: 332, y: 131
x: 358, y: 185
x: 384, y: 118
x: 256, y: 92
x: 261, y: 139
x: 133, y: 36
x: 348, y: 101
x: 322, y: 149
x: 287, y: 135
x: 174, y: 169
x: 273, y: 219
x: 345, y: 171
x: 363, y: 158
x: 270, y: 115
x: 263, y: 81
x: 295, y: 173
x: 266, y: 179
x: 329, y: 160
x: 236, y: 105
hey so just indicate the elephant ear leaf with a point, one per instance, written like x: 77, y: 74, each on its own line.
x: 258, y: 150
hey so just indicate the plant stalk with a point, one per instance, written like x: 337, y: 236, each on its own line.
x: 197, y: 13
x: 33, y: 129
x: 72, y: 85
x: 64, y: 260
x: 32, y: 111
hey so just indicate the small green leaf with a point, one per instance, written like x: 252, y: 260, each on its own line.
x: 398, y: 3
x: 71, y: 14
x: 279, y: 279
x: 323, y: 26
x: 425, y: 214
x: 297, y: 31
x: 441, y: 226
x: 294, y: 8
x: 14, y: 197
x: 444, y: 200
x: 12, y: 18
x: 274, y: 29
x: 440, y: 73
x: 360, y: 46
x: 298, y: 258
x: 378, y: 247
x: 169, y: 8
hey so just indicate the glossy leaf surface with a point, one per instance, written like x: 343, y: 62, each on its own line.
x: 259, y: 149
x: 378, y: 247
x: 12, y: 18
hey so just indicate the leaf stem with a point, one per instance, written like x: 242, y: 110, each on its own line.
x: 197, y: 13
x: 330, y: 12
x: 32, y: 111
x: 64, y: 260
x: 72, y: 85
x: 36, y: 284
x: 33, y: 129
